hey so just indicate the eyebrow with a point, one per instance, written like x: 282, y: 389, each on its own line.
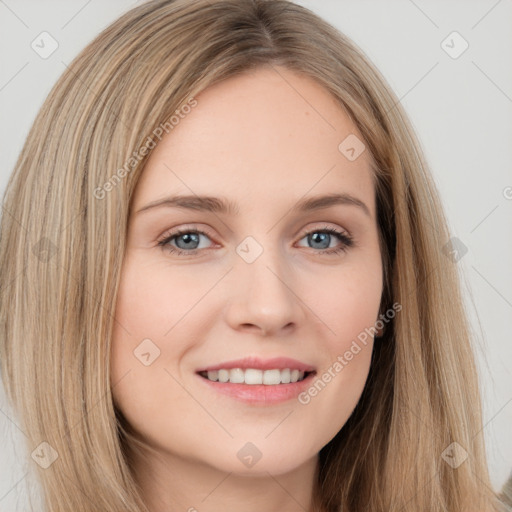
x: 222, y: 205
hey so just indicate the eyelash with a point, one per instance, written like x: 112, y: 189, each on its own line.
x: 346, y: 240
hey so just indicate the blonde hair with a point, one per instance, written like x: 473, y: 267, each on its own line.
x: 62, y: 244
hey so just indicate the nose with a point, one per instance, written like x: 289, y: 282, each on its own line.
x: 262, y: 298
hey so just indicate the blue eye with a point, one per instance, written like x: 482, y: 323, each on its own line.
x: 320, y: 236
x: 189, y: 239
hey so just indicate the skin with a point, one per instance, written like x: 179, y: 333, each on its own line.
x: 263, y: 140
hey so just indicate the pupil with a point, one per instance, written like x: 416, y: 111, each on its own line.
x: 188, y: 237
x: 315, y: 238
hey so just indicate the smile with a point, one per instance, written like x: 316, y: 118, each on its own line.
x: 254, y: 376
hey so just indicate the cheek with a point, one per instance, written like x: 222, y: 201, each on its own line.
x: 347, y: 300
x: 153, y: 298
x: 334, y: 393
x: 353, y: 312
x: 146, y: 310
x: 159, y: 318
x: 348, y: 305
x: 156, y: 302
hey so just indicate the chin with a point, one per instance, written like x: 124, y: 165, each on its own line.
x: 259, y: 458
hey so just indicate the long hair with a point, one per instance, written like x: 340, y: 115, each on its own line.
x: 63, y: 234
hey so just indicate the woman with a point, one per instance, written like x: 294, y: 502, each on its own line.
x: 251, y: 371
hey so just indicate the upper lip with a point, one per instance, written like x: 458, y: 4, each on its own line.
x: 275, y: 363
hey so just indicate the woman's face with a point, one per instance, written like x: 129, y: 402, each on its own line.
x: 256, y: 289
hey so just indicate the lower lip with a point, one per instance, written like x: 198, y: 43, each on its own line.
x: 260, y: 394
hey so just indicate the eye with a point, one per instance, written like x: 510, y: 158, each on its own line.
x: 323, y: 238
x: 187, y: 241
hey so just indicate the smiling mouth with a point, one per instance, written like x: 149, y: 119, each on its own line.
x: 254, y: 376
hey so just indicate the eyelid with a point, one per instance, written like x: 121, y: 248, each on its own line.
x: 205, y: 230
x: 185, y: 228
x: 345, y: 237
x: 325, y: 225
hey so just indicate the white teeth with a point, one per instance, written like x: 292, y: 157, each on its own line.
x: 255, y: 376
x: 236, y: 376
x: 271, y: 377
x: 223, y: 375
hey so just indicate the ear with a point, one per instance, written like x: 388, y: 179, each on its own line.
x: 380, y: 331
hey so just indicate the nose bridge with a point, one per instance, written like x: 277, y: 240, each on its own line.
x: 263, y: 294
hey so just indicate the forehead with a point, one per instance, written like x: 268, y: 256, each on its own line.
x: 266, y: 134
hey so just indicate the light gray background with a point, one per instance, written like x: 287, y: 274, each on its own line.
x: 461, y: 108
